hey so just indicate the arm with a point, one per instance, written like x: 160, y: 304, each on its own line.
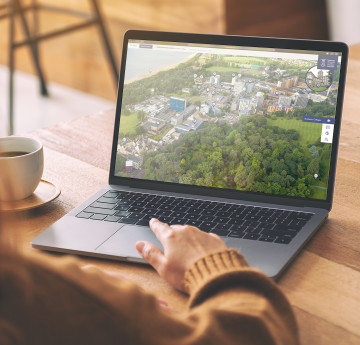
x: 228, y: 300
x: 229, y: 303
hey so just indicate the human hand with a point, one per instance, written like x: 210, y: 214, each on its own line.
x: 183, y: 245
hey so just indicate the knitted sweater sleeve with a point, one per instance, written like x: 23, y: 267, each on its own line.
x: 229, y: 303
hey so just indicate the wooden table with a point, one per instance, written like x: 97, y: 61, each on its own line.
x: 323, y: 283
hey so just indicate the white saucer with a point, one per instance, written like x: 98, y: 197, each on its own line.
x: 44, y: 193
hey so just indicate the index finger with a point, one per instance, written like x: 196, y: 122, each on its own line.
x: 160, y: 229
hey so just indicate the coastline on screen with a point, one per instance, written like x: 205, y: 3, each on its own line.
x: 250, y: 119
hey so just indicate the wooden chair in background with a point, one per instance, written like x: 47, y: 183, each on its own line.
x: 14, y: 9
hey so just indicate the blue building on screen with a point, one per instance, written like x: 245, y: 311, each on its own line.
x: 177, y: 104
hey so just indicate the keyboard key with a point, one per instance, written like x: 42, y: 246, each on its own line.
x: 237, y: 221
x: 181, y: 204
x: 239, y: 216
x: 122, y: 213
x: 165, y: 199
x: 180, y: 221
x: 122, y: 207
x: 91, y: 209
x: 122, y: 194
x: 237, y: 227
x: 208, y: 225
x: 138, y: 204
x: 107, y: 200
x: 252, y: 217
x: 112, y: 218
x: 251, y: 236
x: 136, y: 215
x: 128, y: 220
x: 178, y: 214
x: 166, y: 207
x: 143, y: 222
x: 253, y: 230
x: 283, y: 240
x: 237, y: 234
x: 165, y: 219
x: 268, y: 226
x: 149, y: 211
x: 180, y: 209
x: 124, y: 203
x: 270, y: 233
x: 196, y: 211
x: 222, y: 226
x: 222, y: 208
x: 205, y: 218
x: 251, y: 223
x: 193, y: 222
x: 221, y: 232
x: 267, y: 239
x: 286, y: 221
x: 223, y: 214
x: 136, y: 209
x: 111, y: 194
x: 177, y: 200
x: 223, y: 220
x: 280, y: 227
x: 297, y: 225
x: 301, y: 216
x: 103, y: 205
x: 207, y: 212
x: 237, y: 208
x: 98, y: 216
x: 162, y: 213
x: 193, y: 204
x: 306, y: 216
x: 209, y: 206
x: 288, y: 233
x: 285, y: 232
x: 85, y: 215
x: 153, y: 205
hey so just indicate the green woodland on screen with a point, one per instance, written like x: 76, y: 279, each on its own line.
x: 250, y: 155
x: 274, y: 153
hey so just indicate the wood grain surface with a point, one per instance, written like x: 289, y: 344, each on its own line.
x: 277, y: 18
x: 322, y: 284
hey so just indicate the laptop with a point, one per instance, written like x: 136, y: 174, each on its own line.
x: 235, y: 135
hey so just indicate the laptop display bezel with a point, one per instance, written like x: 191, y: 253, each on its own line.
x: 240, y: 41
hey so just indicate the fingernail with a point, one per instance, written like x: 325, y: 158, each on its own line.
x: 140, y: 246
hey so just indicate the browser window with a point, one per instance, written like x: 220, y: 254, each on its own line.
x: 253, y: 119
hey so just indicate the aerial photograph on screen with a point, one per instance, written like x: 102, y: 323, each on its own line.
x: 257, y: 124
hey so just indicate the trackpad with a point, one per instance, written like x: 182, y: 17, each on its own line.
x: 122, y: 243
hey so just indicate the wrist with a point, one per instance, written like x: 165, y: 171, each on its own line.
x: 211, y: 266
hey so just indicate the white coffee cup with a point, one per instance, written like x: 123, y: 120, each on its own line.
x: 21, y: 167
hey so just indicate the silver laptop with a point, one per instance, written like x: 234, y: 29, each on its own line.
x: 235, y: 135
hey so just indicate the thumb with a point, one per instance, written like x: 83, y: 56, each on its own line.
x: 150, y: 253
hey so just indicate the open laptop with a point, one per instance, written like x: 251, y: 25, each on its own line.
x: 235, y: 135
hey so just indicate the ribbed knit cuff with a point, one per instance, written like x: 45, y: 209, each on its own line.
x: 208, y: 267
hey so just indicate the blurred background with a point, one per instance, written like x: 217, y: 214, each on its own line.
x: 78, y: 73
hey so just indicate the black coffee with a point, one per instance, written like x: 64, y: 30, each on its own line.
x: 12, y: 154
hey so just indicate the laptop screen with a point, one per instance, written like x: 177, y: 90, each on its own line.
x: 237, y: 118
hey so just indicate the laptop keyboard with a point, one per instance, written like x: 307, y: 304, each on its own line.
x: 225, y: 219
